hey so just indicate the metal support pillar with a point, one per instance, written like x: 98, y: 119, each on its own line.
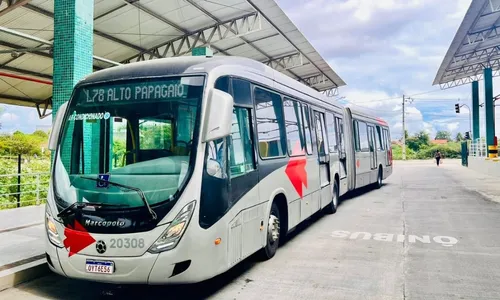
x: 73, y: 49
x: 475, y: 110
x: 488, y: 106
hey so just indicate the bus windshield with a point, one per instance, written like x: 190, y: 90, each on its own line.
x: 137, y: 133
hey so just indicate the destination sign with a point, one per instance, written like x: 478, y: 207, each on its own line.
x: 133, y: 92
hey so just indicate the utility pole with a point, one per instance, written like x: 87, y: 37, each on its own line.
x: 404, y: 131
x: 403, y: 148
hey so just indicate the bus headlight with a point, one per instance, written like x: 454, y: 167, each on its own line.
x: 50, y: 226
x: 173, y: 234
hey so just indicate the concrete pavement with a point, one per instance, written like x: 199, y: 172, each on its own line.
x: 428, y: 233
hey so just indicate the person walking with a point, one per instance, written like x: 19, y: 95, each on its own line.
x: 438, y: 157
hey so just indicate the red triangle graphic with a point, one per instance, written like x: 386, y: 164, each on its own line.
x: 77, y: 239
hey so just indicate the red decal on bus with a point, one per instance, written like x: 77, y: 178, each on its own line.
x: 77, y: 239
x: 296, y: 172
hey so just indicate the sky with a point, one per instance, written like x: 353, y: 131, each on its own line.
x: 388, y: 48
x: 382, y: 49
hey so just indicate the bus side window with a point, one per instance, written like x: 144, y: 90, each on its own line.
x: 332, y: 133
x: 363, y: 137
x: 222, y: 83
x: 340, y: 133
x: 241, y: 145
x: 270, y: 123
x: 380, y: 144
x: 307, y: 127
x: 387, y: 138
x: 295, y: 131
x: 355, y: 127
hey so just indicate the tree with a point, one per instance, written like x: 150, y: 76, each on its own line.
x: 418, y: 141
x: 22, y: 144
x: 41, y: 134
x: 443, y: 135
x: 459, y: 137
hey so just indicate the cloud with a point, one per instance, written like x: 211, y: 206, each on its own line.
x: 452, y: 127
x: 387, y: 49
x: 8, y: 118
x: 24, y: 119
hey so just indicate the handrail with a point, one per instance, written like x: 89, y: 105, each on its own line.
x: 31, y: 191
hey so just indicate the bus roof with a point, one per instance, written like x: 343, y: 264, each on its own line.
x: 367, y: 115
x: 185, y: 65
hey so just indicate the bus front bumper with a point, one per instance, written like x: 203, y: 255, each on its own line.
x: 153, y: 269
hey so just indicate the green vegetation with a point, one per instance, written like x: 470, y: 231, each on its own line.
x: 419, y: 146
x: 35, y: 166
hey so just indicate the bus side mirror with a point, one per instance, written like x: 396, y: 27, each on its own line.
x: 56, y: 126
x: 219, y: 116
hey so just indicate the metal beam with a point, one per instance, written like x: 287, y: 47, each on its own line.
x: 315, y: 79
x: 465, y: 80
x: 202, y: 37
x: 45, y: 42
x: 27, y: 72
x: 283, y: 34
x: 251, y: 42
x: 96, y: 32
x: 482, y: 35
x: 207, y: 13
x: 477, y: 55
x: 331, y: 92
x: 110, y: 11
x: 14, y: 100
x: 136, y: 4
x: 286, y: 62
x: 19, y: 49
x: 473, y: 69
x: 42, y: 113
x: 494, y: 7
x: 11, y: 5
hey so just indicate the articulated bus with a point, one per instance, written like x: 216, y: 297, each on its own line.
x: 175, y: 170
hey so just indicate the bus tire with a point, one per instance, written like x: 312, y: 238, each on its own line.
x: 332, y: 207
x: 273, y: 234
x: 378, y: 184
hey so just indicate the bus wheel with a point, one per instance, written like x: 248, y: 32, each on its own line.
x: 332, y: 207
x: 273, y: 234
x: 379, y: 178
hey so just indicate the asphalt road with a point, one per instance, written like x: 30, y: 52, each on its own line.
x: 425, y: 236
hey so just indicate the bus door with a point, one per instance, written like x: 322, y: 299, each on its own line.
x: 323, y: 157
x: 373, y: 148
x: 339, y: 126
x: 387, y: 144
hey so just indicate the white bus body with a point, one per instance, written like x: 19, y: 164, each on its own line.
x: 220, y: 158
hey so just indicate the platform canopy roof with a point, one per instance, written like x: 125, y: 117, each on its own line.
x: 476, y: 46
x: 130, y: 30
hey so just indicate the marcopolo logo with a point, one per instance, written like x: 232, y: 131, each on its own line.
x: 104, y: 223
x: 446, y: 241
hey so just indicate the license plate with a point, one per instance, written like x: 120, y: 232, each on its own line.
x: 99, y: 266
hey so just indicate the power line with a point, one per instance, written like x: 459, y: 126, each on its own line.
x: 399, y: 97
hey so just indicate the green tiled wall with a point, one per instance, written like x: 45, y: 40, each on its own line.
x: 73, y: 50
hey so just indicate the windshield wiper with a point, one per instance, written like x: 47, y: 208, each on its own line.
x: 138, y: 190
x: 84, y: 204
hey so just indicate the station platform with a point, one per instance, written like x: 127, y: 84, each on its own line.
x: 22, y: 255
x: 488, y: 166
